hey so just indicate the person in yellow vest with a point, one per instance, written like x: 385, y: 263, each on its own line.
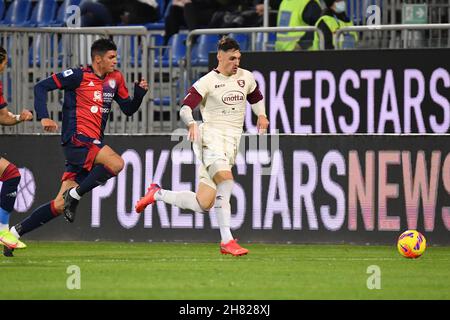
x: 296, y: 13
x: 334, y: 17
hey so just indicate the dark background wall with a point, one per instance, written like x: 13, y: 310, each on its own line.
x: 289, y: 188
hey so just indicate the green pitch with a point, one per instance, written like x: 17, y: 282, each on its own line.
x: 110, y: 270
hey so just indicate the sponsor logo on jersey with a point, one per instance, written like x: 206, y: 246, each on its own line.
x: 233, y: 97
x: 241, y: 83
x: 91, y: 84
x: 107, y: 97
x: 95, y: 109
x: 67, y: 73
x: 219, y: 85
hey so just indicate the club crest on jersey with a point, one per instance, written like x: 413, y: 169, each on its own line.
x: 241, y: 83
x: 112, y: 83
x: 97, y: 96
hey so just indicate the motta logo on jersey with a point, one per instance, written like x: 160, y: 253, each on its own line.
x: 233, y: 97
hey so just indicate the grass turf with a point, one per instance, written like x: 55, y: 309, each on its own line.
x: 111, y: 270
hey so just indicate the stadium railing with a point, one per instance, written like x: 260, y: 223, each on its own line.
x: 411, y: 36
x: 37, y: 52
x: 191, y: 73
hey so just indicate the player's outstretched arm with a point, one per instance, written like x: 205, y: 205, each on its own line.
x: 40, y: 96
x: 130, y: 106
x: 9, y: 119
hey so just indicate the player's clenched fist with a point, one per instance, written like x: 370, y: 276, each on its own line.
x: 262, y: 124
x: 49, y: 125
x: 143, y: 84
x: 25, y: 115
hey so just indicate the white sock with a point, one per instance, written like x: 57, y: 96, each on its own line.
x: 223, y: 209
x: 14, y: 232
x: 181, y: 199
x: 4, y: 226
x: 74, y: 194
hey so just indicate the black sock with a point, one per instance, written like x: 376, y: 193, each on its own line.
x: 98, y: 176
x: 40, y: 216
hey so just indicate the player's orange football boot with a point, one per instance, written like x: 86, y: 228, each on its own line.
x: 149, y: 198
x: 232, y: 247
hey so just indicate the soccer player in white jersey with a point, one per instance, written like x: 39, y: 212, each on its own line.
x: 222, y: 95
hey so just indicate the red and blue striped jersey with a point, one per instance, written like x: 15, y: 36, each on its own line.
x: 87, y: 100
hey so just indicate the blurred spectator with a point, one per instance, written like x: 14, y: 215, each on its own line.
x: 193, y: 14
x: 240, y: 14
x: 96, y: 13
x: 273, y: 8
x: 297, y: 13
x: 139, y: 12
x: 175, y: 19
x: 333, y: 18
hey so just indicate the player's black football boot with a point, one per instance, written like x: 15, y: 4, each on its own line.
x: 7, y: 252
x: 70, y: 206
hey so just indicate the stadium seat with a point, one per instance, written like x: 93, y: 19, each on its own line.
x: 17, y: 14
x: 242, y: 39
x: 2, y: 9
x: 43, y: 14
x: 60, y: 20
x: 34, y: 53
x: 270, y: 45
x: 163, y: 12
x: 177, y: 44
x: 205, y: 44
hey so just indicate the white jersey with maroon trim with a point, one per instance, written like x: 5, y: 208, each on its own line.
x: 225, y: 100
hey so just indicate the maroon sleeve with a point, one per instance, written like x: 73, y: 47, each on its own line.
x: 255, y: 96
x: 192, y: 99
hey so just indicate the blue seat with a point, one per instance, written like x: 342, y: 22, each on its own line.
x: 163, y: 13
x: 271, y: 38
x: 242, y: 39
x: 177, y: 44
x: 61, y: 15
x: 34, y: 54
x: 17, y: 14
x: 2, y: 9
x: 43, y: 14
x: 200, y: 51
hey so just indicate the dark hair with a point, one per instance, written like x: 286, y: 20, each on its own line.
x: 227, y: 43
x: 3, y: 54
x: 101, y: 46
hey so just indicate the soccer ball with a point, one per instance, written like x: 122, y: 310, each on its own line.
x: 411, y: 244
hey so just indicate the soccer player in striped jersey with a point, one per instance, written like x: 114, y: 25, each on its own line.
x: 89, y: 93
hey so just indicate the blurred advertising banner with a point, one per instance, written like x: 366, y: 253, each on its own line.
x: 353, y: 91
x: 289, y: 188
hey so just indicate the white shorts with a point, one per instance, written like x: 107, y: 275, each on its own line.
x: 216, y: 152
